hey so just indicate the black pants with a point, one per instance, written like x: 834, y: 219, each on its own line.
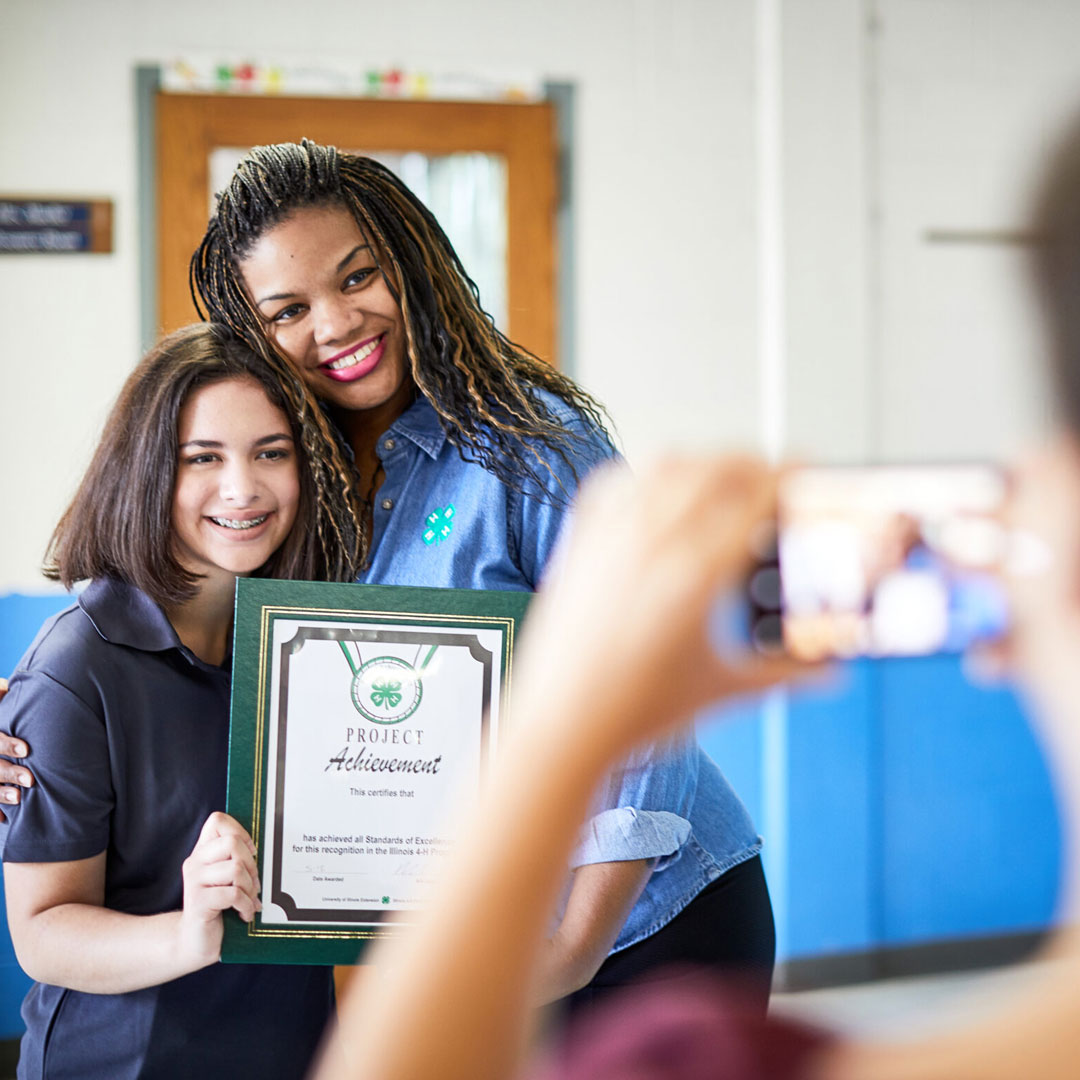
x: 727, y: 929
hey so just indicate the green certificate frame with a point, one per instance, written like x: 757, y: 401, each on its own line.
x: 364, y: 718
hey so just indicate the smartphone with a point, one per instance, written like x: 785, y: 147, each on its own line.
x: 882, y: 560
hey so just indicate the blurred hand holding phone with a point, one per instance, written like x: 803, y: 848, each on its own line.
x: 883, y: 560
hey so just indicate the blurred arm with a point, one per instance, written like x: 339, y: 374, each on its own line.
x: 647, y: 558
x: 601, y: 898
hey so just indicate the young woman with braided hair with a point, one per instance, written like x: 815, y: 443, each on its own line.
x: 465, y: 985
x: 466, y: 453
x: 424, y: 332
x: 696, y: 1029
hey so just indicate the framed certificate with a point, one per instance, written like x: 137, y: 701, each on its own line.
x: 363, y: 720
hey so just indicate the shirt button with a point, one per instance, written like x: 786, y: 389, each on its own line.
x: 388, y: 504
x: 388, y: 444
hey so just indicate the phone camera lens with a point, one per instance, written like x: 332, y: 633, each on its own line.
x: 765, y: 588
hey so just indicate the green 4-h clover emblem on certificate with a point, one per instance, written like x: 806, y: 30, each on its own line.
x: 386, y: 689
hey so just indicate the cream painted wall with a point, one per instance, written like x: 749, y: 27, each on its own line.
x: 893, y: 116
x: 664, y: 188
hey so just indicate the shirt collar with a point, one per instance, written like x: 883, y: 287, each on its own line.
x: 124, y: 615
x: 420, y: 424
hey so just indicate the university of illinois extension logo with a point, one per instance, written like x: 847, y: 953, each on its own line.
x: 386, y: 689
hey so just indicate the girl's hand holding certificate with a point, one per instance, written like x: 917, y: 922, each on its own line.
x: 219, y: 874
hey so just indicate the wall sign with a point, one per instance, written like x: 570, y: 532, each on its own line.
x: 55, y: 226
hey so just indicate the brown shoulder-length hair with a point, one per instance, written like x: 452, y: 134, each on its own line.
x: 120, y: 522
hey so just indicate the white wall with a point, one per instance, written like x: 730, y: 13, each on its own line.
x: 824, y: 107
x: 969, y: 97
x: 904, y: 118
x: 896, y: 116
x: 664, y: 185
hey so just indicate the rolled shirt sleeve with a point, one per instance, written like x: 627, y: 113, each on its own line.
x: 641, y: 810
x: 626, y: 833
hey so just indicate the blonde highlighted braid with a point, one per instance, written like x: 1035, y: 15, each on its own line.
x: 339, y: 508
x: 478, y: 381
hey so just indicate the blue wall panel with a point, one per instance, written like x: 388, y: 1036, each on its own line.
x: 833, y: 816
x: 914, y: 807
x: 20, y: 618
x: 970, y: 841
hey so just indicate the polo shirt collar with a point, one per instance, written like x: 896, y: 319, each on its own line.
x: 420, y: 424
x: 124, y: 615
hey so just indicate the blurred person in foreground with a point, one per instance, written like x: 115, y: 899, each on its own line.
x: 617, y: 651
x: 625, y: 626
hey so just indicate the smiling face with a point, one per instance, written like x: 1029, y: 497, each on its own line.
x: 237, y: 485
x: 315, y: 281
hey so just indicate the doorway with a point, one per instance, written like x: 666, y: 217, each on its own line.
x: 487, y: 171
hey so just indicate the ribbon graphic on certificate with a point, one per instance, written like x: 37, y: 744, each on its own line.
x: 372, y: 729
x: 387, y: 689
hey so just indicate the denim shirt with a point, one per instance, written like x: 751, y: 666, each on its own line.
x: 668, y: 801
x: 443, y: 521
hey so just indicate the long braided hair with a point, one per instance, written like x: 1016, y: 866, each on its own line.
x: 479, y: 382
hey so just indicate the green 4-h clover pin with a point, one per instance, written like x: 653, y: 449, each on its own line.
x: 438, y: 524
x: 386, y: 690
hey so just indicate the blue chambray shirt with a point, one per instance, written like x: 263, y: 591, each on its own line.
x: 443, y: 521
x: 668, y: 801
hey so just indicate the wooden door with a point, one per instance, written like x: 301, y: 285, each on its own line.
x: 191, y: 126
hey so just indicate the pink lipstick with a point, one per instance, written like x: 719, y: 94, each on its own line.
x: 355, y: 362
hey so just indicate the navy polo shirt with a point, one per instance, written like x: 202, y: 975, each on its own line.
x: 128, y: 735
